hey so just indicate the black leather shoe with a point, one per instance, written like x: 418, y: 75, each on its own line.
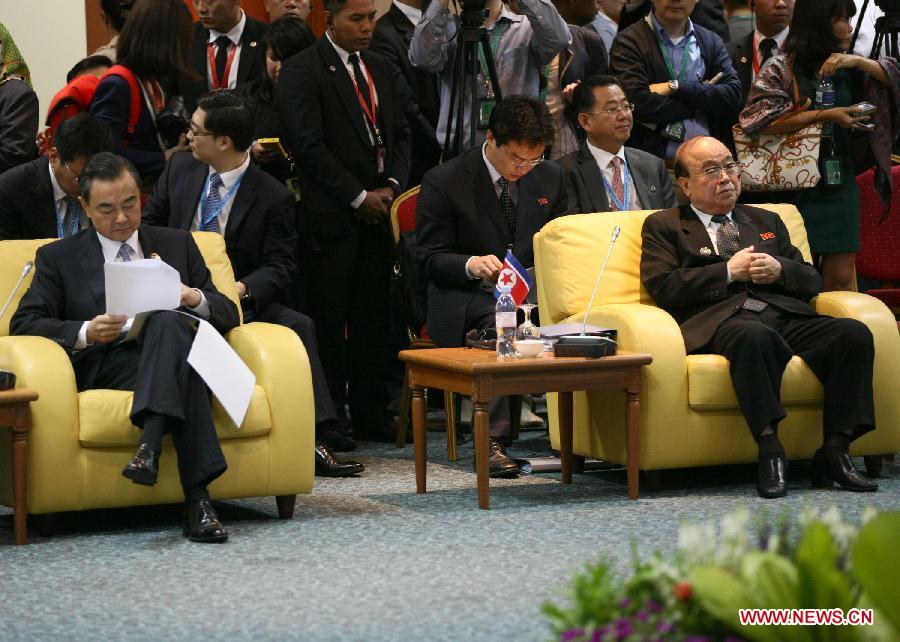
x: 143, y: 467
x: 202, y: 523
x: 499, y: 463
x: 337, y: 441
x: 327, y: 465
x: 827, y: 469
x: 771, y: 479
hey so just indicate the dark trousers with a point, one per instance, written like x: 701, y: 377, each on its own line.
x: 348, y: 280
x: 155, y: 367
x: 839, y: 351
x: 303, y: 326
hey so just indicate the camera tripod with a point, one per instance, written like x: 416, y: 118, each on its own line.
x: 464, y: 97
x: 887, y: 29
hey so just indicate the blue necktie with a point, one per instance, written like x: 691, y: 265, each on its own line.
x: 72, y: 218
x: 124, y: 253
x: 209, y: 216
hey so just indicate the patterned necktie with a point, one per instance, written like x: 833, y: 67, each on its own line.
x: 72, y: 218
x: 618, y: 184
x: 222, y: 45
x: 727, y: 237
x: 209, y: 215
x: 124, y: 253
x: 767, y: 48
x: 506, y: 205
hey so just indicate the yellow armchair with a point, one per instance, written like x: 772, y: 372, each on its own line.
x: 689, y: 413
x: 79, y: 442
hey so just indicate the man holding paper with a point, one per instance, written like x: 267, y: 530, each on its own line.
x: 67, y: 304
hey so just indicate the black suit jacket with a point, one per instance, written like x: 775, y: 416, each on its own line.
x: 637, y: 62
x: 584, y: 182
x: 68, y: 289
x: 260, y: 238
x: 251, y: 65
x: 685, y: 277
x: 458, y: 216
x: 19, y: 120
x: 326, y: 131
x: 585, y: 56
x: 741, y: 53
x: 391, y: 39
x: 27, y: 210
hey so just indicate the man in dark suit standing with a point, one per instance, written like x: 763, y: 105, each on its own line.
x: 217, y: 189
x: 679, y: 77
x: 773, y: 22
x: 604, y: 175
x: 469, y: 211
x: 737, y: 287
x: 345, y: 125
x: 226, y: 52
x: 392, y: 36
x: 39, y: 199
x: 66, y: 303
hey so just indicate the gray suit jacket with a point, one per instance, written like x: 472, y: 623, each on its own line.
x: 584, y: 183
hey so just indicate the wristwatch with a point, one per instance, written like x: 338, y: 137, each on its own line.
x: 246, y: 294
x: 673, y: 85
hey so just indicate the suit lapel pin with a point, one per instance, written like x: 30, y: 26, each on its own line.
x: 331, y: 68
x: 253, y: 44
x: 765, y: 236
x: 543, y: 201
x: 653, y: 189
x: 743, y: 60
x: 705, y: 251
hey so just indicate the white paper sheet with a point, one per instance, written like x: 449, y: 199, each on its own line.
x: 230, y: 380
x: 139, y: 286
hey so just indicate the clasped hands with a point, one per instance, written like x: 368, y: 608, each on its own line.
x: 106, y: 328
x: 758, y: 267
x: 376, y: 205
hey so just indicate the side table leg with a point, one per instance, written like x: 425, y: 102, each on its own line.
x: 632, y: 420
x: 419, y: 435
x: 20, y: 479
x: 565, y: 435
x: 482, y: 467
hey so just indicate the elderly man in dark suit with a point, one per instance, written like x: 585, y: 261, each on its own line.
x: 227, y: 50
x: 39, y: 199
x: 217, y: 189
x: 604, y: 175
x: 345, y: 124
x: 469, y: 211
x: 66, y: 303
x: 737, y: 287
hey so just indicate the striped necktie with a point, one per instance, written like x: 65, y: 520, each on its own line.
x: 209, y: 216
x: 124, y: 253
x: 72, y: 218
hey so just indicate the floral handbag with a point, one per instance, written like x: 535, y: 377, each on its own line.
x: 779, y: 162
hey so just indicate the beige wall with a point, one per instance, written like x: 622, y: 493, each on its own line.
x: 51, y: 36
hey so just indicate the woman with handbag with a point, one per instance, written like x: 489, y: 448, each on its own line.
x: 783, y: 101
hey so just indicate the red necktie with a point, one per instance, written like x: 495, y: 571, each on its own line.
x: 618, y: 184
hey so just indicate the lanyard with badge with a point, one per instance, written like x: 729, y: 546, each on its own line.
x: 675, y: 131
x: 204, y: 197
x: 218, y: 83
x: 486, y: 97
x: 372, y: 118
x: 621, y: 206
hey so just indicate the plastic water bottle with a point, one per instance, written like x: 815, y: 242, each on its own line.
x: 825, y: 100
x: 505, y: 316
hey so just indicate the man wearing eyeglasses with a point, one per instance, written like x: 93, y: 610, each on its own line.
x: 733, y: 281
x: 39, y: 199
x: 604, y: 175
x: 469, y: 211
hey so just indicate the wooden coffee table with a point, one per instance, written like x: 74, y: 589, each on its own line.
x: 14, y: 415
x: 479, y: 374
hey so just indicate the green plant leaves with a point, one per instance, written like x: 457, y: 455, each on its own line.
x: 876, y: 563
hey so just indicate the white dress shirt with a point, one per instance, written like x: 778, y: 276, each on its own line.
x: 603, y: 158
x: 235, y: 37
x: 61, y: 206
x: 412, y: 14
x: 229, y: 178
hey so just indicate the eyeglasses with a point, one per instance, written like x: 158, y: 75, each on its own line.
x: 196, y: 131
x: 75, y: 177
x: 731, y: 169
x: 518, y: 163
x: 625, y: 108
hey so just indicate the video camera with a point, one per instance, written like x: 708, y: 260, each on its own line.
x: 473, y: 13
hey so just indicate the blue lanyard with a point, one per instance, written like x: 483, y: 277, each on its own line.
x: 205, y: 197
x: 626, y: 174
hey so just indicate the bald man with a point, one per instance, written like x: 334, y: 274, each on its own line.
x: 737, y: 287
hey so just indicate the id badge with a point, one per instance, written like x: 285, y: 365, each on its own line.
x: 674, y: 131
x: 379, y: 160
x: 485, y: 107
x: 833, y: 171
x: 293, y: 184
